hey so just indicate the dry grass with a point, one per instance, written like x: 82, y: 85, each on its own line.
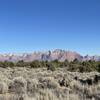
x: 40, y: 84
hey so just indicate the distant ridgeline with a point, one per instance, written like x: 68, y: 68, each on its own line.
x: 58, y: 54
x: 52, y: 60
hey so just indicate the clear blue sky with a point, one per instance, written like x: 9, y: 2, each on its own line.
x: 30, y: 25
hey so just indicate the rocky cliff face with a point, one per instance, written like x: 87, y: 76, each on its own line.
x: 58, y: 54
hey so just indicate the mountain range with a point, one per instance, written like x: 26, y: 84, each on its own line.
x: 58, y: 54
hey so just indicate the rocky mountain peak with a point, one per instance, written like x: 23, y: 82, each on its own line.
x: 58, y: 54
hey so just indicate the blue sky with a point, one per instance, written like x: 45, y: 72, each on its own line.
x: 31, y: 25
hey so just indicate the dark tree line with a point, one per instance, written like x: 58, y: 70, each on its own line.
x: 84, y: 66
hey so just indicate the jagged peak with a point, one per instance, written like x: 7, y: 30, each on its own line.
x: 59, y: 54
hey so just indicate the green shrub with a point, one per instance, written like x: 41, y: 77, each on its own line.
x: 35, y: 64
x: 6, y: 64
x: 21, y: 63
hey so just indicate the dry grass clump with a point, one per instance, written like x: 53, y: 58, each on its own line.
x: 48, y: 82
x: 3, y: 88
x: 18, y: 85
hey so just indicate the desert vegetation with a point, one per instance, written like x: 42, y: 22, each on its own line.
x: 43, y: 80
x: 73, y: 66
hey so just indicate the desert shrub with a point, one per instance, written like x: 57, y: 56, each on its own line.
x: 21, y: 63
x: 32, y: 85
x: 35, y: 64
x: 3, y: 88
x: 85, y: 66
x: 51, y: 67
x: 9, y: 64
x: 48, y: 82
x: 65, y: 63
x: 56, y: 63
x: 88, y: 66
x: 63, y: 82
x: 75, y: 61
x: 18, y: 85
x: 82, y: 69
x: 73, y: 67
x: 2, y: 65
x: 6, y: 64
x: 98, y: 67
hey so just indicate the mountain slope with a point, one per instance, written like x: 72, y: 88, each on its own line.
x: 58, y: 54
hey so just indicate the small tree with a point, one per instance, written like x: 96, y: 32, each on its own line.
x: 21, y: 63
x: 98, y: 67
x: 6, y: 64
x: 65, y: 63
x: 35, y: 64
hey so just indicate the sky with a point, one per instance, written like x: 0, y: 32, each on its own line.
x: 40, y: 25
